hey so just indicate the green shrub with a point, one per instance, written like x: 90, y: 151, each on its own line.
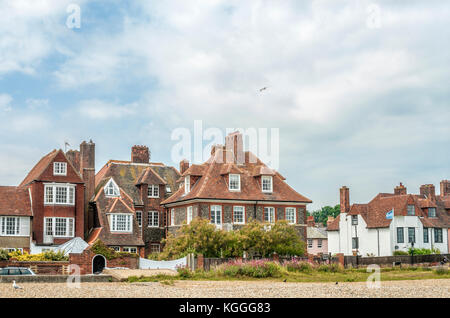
x: 49, y: 256
x: 441, y: 270
x: 331, y: 268
x: 253, y: 269
x: 4, y: 255
x: 400, y: 253
x: 298, y: 266
x: 184, y: 272
x: 100, y: 248
x: 424, y: 251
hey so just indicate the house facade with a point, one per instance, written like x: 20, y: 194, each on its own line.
x: 233, y: 187
x: 392, y: 222
x: 317, y: 240
x: 126, y: 206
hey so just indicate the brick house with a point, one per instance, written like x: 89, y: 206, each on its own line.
x: 15, y: 218
x: 126, y: 207
x: 368, y: 229
x: 232, y: 188
x: 48, y: 205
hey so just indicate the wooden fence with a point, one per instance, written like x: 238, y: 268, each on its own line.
x: 356, y: 261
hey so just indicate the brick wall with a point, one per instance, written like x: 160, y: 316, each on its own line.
x: 41, y: 268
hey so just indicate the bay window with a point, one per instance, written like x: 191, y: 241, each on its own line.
x: 59, y: 194
x: 14, y: 226
x: 59, y: 227
x: 121, y: 223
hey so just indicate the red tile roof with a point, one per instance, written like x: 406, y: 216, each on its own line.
x: 374, y: 212
x: 213, y: 184
x: 15, y: 201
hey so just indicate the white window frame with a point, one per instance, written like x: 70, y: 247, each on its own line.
x: 270, y: 178
x: 116, y: 248
x: 128, y: 249
x: 319, y: 243
x: 51, y: 231
x: 216, y: 210
x: 189, y: 214
x: 153, y: 245
x: 271, y: 214
x: 152, y: 220
x: 168, y: 189
x: 243, y: 214
x: 50, y: 193
x: 434, y: 214
x: 111, y: 185
x: 139, y: 219
x: 152, y: 189
x: 238, y: 188
x: 172, y: 217
x: 187, y: 184
x: 294, y: 221
x: 310, y: 243
x: 4, y: 226
x: 128, y: 222
x: 60, y: 168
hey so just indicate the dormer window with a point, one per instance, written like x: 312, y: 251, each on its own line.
x: 187, y: 184
x: 153, y: 191
x: 59, y: 168
x: 411, y: 210
x: 234, y: 183
x: 111, y: 189
x: 431, y: 212
x: 168, y: 189
x: 267, y: 185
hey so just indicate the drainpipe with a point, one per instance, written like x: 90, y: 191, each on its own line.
x: 378, y: 241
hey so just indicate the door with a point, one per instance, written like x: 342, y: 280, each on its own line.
x: 98, y: 264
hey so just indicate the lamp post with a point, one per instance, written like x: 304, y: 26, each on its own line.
x: 412, y: 253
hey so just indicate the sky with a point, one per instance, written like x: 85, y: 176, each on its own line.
x: 359, y: 90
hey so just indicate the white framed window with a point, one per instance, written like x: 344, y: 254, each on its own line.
x: 153, y: 191
x: 153, y: 219
x: 267, y: 185
x: 238, y: 215
x: 111, y: 189
x: 14, y: 226
x: 216, y: 215
x: 187, y: 184
x: 234, y: 182
x: 60, y: 168
x: 269, y: 214
x: 59, y: 227
x: 310, y: 243
x: 319, y: 243
x: 168, y: 189
x: 431, y: 212
x: 155, y: 248
x: 116, y: 248
x: 172, y: 217
x: 411, y: 209
x: 61, y: 194
x: 129, y: 249
x: 139, y: 217
x: 121, y: 223
x: 291, y: 216
x: 189, y: 214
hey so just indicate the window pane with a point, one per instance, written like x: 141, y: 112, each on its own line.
x: 290, y: 215
x: 61, y: 195
x: 411, y: 210
x: 400, y: 238
x: 411, y: 235
x: 238, y: 214
x: 60, y: 226
x: 425, y: 235
x: 269, y: 214
x: 48, y: 194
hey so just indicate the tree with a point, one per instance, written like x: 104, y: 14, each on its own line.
x: 321, y: 216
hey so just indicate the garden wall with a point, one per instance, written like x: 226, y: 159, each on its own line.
x: 389, y: 260
x: 84, y: 260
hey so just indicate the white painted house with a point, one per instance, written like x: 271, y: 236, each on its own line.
x: 366, y: 229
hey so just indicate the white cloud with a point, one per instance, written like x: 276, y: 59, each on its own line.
x: 5, y: 102
x: 101, y: 110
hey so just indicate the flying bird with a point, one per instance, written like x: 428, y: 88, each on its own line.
x: 263, y: 89
x: 15, y: 286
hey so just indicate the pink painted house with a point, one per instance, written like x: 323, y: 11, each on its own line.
x: 317, y: 242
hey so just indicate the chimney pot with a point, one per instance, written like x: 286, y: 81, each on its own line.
x: 140, y: 154
x: 400, y: 189
x: 428, y: 190
x: 184, y: 165
x: 345, y: 199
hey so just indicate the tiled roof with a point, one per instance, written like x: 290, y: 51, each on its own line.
x: 15, y: 201
x: 127, y: 175
x: 212, y: 184
x: 374, y: 212
x: 316, y: 232
x: 41, y: 167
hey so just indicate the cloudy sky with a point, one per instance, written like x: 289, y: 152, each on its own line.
x: 358, y: 89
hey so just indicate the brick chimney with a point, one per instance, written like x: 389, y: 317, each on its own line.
x: 400, y: 189
x: 330, y: 220
x: 310, y: 221
x: 184, y: 165
x: 345, y: 199
x: 234, y: 145
x: 140, y: 154
x: 428, y: 191
x: 445, y: 187
x: 87, y: 170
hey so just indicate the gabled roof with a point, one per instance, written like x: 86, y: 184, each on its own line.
x: 212, y: 184
x: 149, y: 176
x: 374, y: 212
x: 44, y: 165
x: 15, y: 201
x: 313, y: 232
